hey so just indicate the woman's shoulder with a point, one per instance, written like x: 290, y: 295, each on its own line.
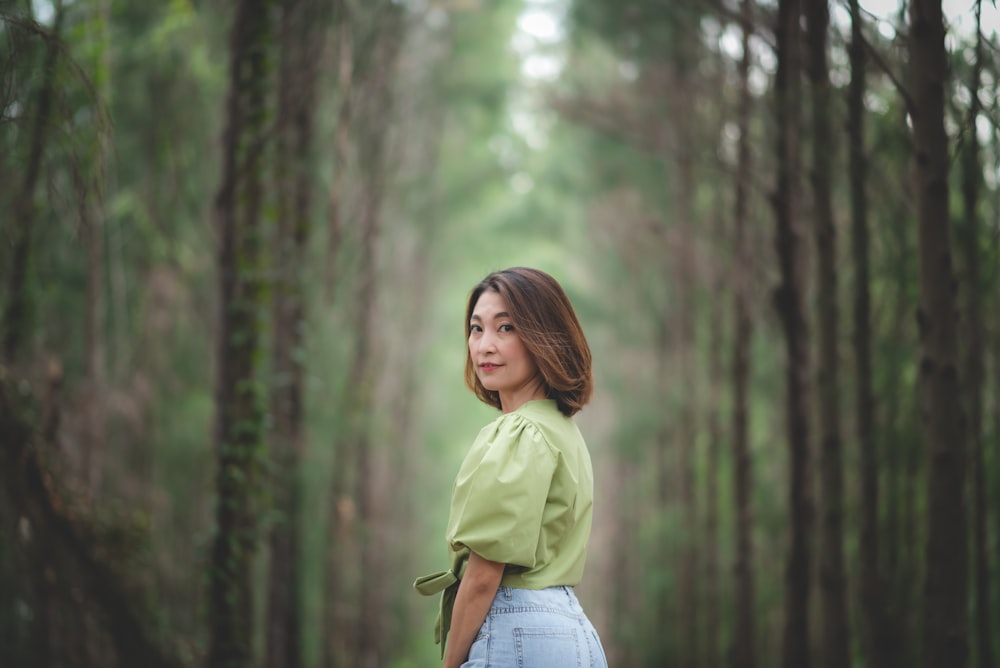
x: 509, y: 426
x: 538, y: 421
x: 512, y: 439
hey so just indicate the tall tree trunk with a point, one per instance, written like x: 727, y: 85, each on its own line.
x: 711, y: 653
x: 685, y: 278
x: 84, y: 586
x: 626, y: 600
x: 744, y: 643
x: 92, y: 215
x: 17, y: 313
x: 664, y: 607
x: 710, y: 571
x: 341, y: 140
x: 875, y: 637
x: 342, y: 552
x: 354, y: 562
x: 338, y: 609
x: 299, y: 40
x: 975, y: 354
x: 373, y: 99
x: 993, y: 473
x: 946, y: 569
x: 239, y: 423
x: 368, y: 650
x: 789, y: 300
x: 835, y: 634
x: 901, y: 461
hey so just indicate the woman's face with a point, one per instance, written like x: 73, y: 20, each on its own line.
x: 501, y: 361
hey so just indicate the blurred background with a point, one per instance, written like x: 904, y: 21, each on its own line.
x: 237, y: 239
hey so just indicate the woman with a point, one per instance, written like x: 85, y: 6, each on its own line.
x: 522, y: 503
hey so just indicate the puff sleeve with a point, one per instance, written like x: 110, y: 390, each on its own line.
x: 500, y: 492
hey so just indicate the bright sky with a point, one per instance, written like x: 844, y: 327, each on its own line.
x: 540, y: 31
x: 540, y: 27
x: 959, y: 13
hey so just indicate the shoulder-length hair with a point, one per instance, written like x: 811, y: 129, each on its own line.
x: 548, y: 326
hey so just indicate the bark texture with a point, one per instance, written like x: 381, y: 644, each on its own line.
x: 17, y: 313
x: 82, y: 593
x: 239, y: 402
x: 789, y: 300
x: 975, y: 353
x: 744, y: 643
x: 682, y: 97
x: 946, y: 582
x: 355, y: 564
x: 835, y: 641
x: 876, y: 642
x: 299, y: 43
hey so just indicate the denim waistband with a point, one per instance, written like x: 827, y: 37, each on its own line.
x: 560, y: 599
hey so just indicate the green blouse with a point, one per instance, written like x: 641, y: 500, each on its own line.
x: 523, y: 497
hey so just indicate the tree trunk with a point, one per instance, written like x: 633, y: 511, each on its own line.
x: 875, y: 637
x: 296, y: 99
x: 83, y: 583
x: 744, y: 643
x: 368, y: 649
x: 713, y: 466
x: 685, y: 267
x: 345, y: 91
x: 975, y: 354
x: 665, y: 610
x: 901, y: 458
x: 789, y: 300
x: 17, y: 313
x: 239, y: 423
x: 835, y: 634
x: 92, y: 229
x: 626, y: 600
x: 354, y: 561
x: 359, y: 639
x: 946, y: 582
x: 338, y: 614
x: 336, y: 607
x: 993, y: 473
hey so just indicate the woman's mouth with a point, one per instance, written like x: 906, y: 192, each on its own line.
x: 486, y: 368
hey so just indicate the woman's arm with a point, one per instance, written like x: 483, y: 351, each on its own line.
x: 475, y: 595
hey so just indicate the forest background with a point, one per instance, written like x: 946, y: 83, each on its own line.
x: 236, y: 243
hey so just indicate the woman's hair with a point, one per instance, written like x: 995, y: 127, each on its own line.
x: 545, y: 321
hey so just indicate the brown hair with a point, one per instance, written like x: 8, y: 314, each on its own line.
x: 551, y: 333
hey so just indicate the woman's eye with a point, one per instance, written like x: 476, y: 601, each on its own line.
x: 475, y: 328
x: 506, y: 328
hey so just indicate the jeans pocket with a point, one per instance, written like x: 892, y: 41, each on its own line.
x: 479, y: 653
x: 556, y: 647
x: 598, y: 658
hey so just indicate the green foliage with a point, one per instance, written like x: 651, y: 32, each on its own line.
x: 485, y: 169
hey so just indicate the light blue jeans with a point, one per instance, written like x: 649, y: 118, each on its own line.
x: 536, y: 629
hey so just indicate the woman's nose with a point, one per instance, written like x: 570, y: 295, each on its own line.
x: 487, y: 341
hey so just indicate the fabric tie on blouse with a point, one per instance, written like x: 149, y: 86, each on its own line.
x: 446, y: 582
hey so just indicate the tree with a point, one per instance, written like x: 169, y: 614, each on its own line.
x: 789, y: 298
x: 239, y: 400
x: 92, y: 219
x: 300, y: 45
x: 945, y: 584
x: 744, y: 644
x: 357, y: 612
x: 972, y: 175
x: 875, y: 637
x: 835, y: 633
x: 17, y: 312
